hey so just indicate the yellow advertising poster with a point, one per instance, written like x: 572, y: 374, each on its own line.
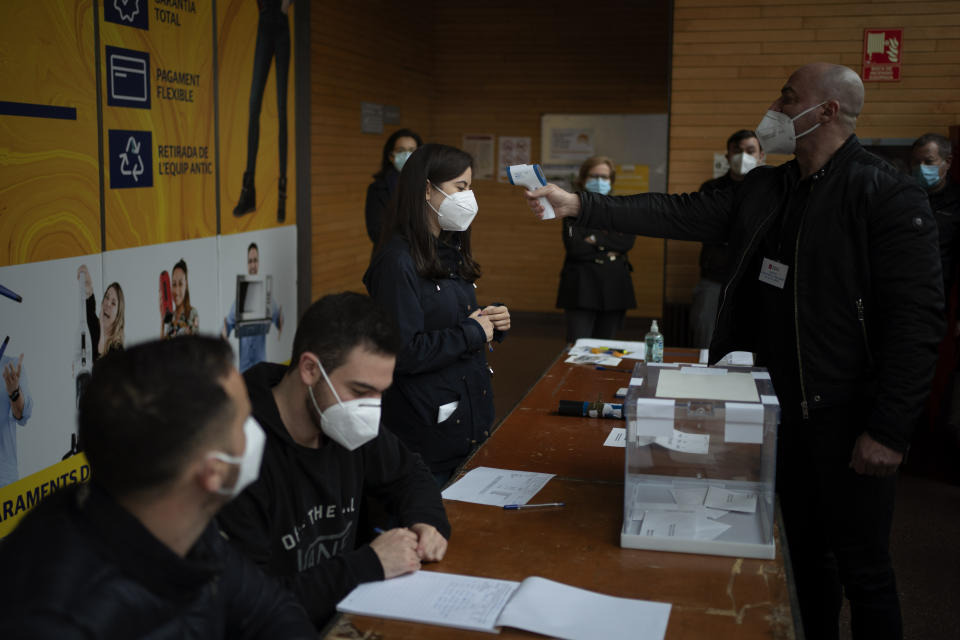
x: 158, y: 121
x: 256, y: 114
x: 632, y: 178
x: 19, y: 497
x: 115, y: 122
x: 49, y: 170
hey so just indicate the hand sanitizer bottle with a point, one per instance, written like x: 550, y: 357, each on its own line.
x: 654, y: 341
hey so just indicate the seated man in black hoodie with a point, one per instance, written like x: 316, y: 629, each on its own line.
x: 167, y: 430
x: 325, y: 454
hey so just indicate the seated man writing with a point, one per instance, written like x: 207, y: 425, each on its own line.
x: 166, y: 427
x: 325, y: 454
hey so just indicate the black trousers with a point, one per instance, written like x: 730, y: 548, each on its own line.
x: 837, y: 523
x: 273, y: 42
x: 589, y: 323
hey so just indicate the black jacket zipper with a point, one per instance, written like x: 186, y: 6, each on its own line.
x: 804, y: 407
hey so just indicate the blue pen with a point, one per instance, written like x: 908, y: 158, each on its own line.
x: 378, y: 531
x: 13, y: 295
x: 516, y: 507
x: 3, y: 347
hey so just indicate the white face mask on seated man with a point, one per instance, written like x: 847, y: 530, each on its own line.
x: 249, y: 461
x: 350, y: 424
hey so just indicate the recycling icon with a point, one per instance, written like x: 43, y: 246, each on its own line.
x: 127, y: 166
x: 131, y: 159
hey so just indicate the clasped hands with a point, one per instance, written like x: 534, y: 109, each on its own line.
x: 402, y: 550
x: 494, y: 317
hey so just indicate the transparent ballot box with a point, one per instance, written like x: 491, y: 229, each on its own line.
x: 700, y: 460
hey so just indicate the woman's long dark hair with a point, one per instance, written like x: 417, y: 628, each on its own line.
x: 409, y: 218
x: 385, y: 162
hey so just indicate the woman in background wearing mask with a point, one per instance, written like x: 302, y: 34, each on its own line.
x: 595, y: 285
x: 396, y: 150
x: 423, y: 274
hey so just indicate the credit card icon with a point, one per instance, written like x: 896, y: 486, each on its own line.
x: 129, y: 78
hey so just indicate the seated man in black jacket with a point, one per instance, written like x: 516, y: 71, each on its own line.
x: 325, y: 454
x: 167, y: 430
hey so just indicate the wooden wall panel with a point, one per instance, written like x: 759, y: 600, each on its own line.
x: 494, y: 68
x: 499, y: 67
x: 730, y: 58
x: 366, y: 51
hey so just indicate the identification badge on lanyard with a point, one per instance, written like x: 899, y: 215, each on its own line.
x: 773, y: 273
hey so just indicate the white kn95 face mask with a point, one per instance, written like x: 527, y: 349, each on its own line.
x: 350, y: 424
x: 777, y: 133
x: 457, y: 210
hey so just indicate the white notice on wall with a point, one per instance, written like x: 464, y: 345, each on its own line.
x: 513, y: 150
x: 480, y: 146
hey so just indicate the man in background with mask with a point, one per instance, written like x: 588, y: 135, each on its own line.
x: 743, y: 154
x: 836, y: 287
x: 326, y: 455
x: 931, y: 159
x: 938, y: 440
x: 166, y: 427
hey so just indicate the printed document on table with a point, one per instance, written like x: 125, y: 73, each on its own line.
x: 593, y: 358
x: 484, y: 604
x: 630, y: 349
x: 497, y: 487
x: 739, y: 387
x: 561, y: 611
x: 446, y: 599
x: 616, y: 438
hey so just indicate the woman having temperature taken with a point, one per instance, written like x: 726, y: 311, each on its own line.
x: 423, y: 273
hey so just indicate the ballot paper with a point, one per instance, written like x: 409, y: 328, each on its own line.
x: 719, y: 498
x: 689, y: 496
x: 686, y: 383
x: 680, y: 522
x: 497, y: 487
x: 639, y: 508
x: 616, y: 438
x: 628, y: 349
x: 737, y: 359
x: 669, y: 524
x: 484, y: 604
x: 685, y: 442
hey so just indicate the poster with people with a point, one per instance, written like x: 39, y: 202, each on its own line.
x: 125, y: 217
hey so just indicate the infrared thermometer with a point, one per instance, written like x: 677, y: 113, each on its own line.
x: 531, y: 177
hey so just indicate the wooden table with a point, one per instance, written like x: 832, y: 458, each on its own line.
x: 713, y: 597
